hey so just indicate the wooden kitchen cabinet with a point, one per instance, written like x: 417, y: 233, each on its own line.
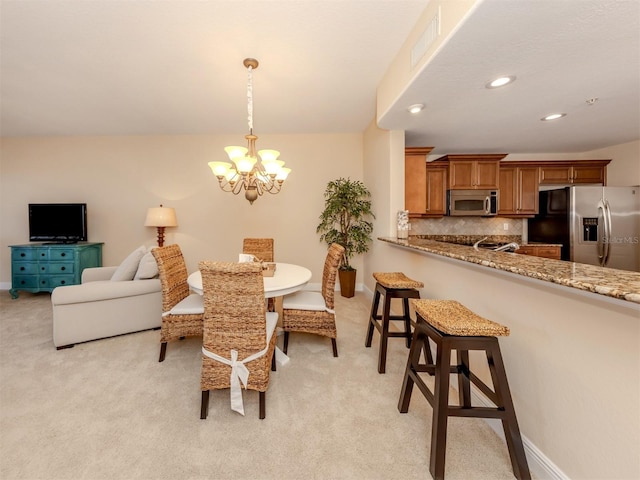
x: 574, y: 172
x: 424, y: 184
x: 474, y: 172
x: 518, y: 191
x: 546, y: 251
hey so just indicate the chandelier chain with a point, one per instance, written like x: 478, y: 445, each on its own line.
x: 250, y: 97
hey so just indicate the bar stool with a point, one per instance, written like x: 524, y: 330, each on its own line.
x: 391, y: 285
x: 454, y: 327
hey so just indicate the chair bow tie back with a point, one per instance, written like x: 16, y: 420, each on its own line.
x: 239, y: 374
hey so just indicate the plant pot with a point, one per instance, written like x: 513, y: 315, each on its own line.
x: 347, y: 282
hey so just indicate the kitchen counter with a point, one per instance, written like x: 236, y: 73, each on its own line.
x: 620, y: 284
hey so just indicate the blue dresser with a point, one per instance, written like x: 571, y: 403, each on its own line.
x: 41, y: 267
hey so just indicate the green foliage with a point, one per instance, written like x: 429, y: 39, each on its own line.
x: 347, y: 208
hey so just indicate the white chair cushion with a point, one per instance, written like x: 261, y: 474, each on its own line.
x: 304, y: 300
x: 191, y: 305
x: 129, y: 266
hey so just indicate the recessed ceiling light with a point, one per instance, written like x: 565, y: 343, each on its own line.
x: 553, y: 116
x: 416, y: 108
x: 501, y: 81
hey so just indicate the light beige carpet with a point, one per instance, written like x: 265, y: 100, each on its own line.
x: 108, y: 410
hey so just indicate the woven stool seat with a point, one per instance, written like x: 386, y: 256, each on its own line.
x: 453, y: 318
x: 396, y: 280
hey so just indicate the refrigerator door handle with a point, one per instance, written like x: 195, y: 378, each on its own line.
x: 602, y: 246
x: 607, y: 232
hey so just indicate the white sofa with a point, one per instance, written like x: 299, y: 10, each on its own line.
x: 100, y: 308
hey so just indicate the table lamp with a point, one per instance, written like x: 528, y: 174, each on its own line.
x: 161, y: 217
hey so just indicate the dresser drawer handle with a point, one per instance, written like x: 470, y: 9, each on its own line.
x: 63, y: 254
x: 42, y: 268
x: 23, y: 254
x: 63, y: 269
x: 22, y: 269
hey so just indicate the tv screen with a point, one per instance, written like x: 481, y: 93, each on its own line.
x: 58, y: 222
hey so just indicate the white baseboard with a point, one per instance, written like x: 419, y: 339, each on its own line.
x: 5, y: 285
x: 539, y: 464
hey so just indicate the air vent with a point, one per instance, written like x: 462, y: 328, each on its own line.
x: 426, y: 39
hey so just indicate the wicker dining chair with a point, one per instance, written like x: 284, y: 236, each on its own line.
x: 313, y: 312
x: 182, y: 312
x: 261, y: 248
x: 235, y: 323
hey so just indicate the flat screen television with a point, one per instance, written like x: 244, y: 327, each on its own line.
x: 58, y: 222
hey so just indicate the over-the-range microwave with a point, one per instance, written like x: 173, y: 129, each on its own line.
x: 472, y: 203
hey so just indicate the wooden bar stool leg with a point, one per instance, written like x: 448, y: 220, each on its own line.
x: 412, y: 361
x: 440, y: 408
x: 372, y: 317
x: 384, y: 334
x: 509, y: 421
x: 464, y: 385
x: 407, y: 320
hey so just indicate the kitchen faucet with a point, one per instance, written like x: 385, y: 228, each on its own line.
x: 513, y: 246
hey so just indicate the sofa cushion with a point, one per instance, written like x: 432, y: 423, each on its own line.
x: 103, y: 290
x: 129, y: 266
x: 148, y: 267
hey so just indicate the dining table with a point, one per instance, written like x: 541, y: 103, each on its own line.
x: 287, y: 278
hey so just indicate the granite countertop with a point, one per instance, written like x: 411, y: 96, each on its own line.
x: 611, y: 282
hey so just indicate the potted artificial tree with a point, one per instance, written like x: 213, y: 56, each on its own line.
x: 345, y: 220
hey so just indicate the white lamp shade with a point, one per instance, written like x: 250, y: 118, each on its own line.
x: 245, y: 164
x: 272, y: 167
x: 219, y: 169
x: 268, y: 155
x: 161, y: 217
x: 235, y: 152
x: 283, y: 174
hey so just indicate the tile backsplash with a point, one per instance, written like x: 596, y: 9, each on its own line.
x: 467, y: 226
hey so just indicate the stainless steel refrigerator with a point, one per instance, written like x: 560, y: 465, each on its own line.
x: 595, y: 225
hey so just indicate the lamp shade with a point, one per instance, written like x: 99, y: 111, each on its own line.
x: 161, y: 217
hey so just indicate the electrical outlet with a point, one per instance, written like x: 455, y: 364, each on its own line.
x: 505, y: 226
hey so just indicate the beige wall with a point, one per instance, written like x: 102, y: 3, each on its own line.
x: 120, y: 177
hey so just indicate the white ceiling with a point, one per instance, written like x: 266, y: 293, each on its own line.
x: 107, y: 67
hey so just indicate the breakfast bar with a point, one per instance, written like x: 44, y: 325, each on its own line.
x: 573, y: 355
x: 619, y: 284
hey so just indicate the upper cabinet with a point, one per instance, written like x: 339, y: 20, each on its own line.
x: 574, y: 172
x: 473, y: 172
x: 518, y: 190
x: 424, y: 184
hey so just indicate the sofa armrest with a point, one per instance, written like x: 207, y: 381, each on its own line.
x: 103, y: 290
x: 94, y: 274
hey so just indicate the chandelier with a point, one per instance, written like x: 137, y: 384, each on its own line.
x: 245, y: 172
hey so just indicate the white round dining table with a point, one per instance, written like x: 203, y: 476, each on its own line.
x: 287, y: 278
